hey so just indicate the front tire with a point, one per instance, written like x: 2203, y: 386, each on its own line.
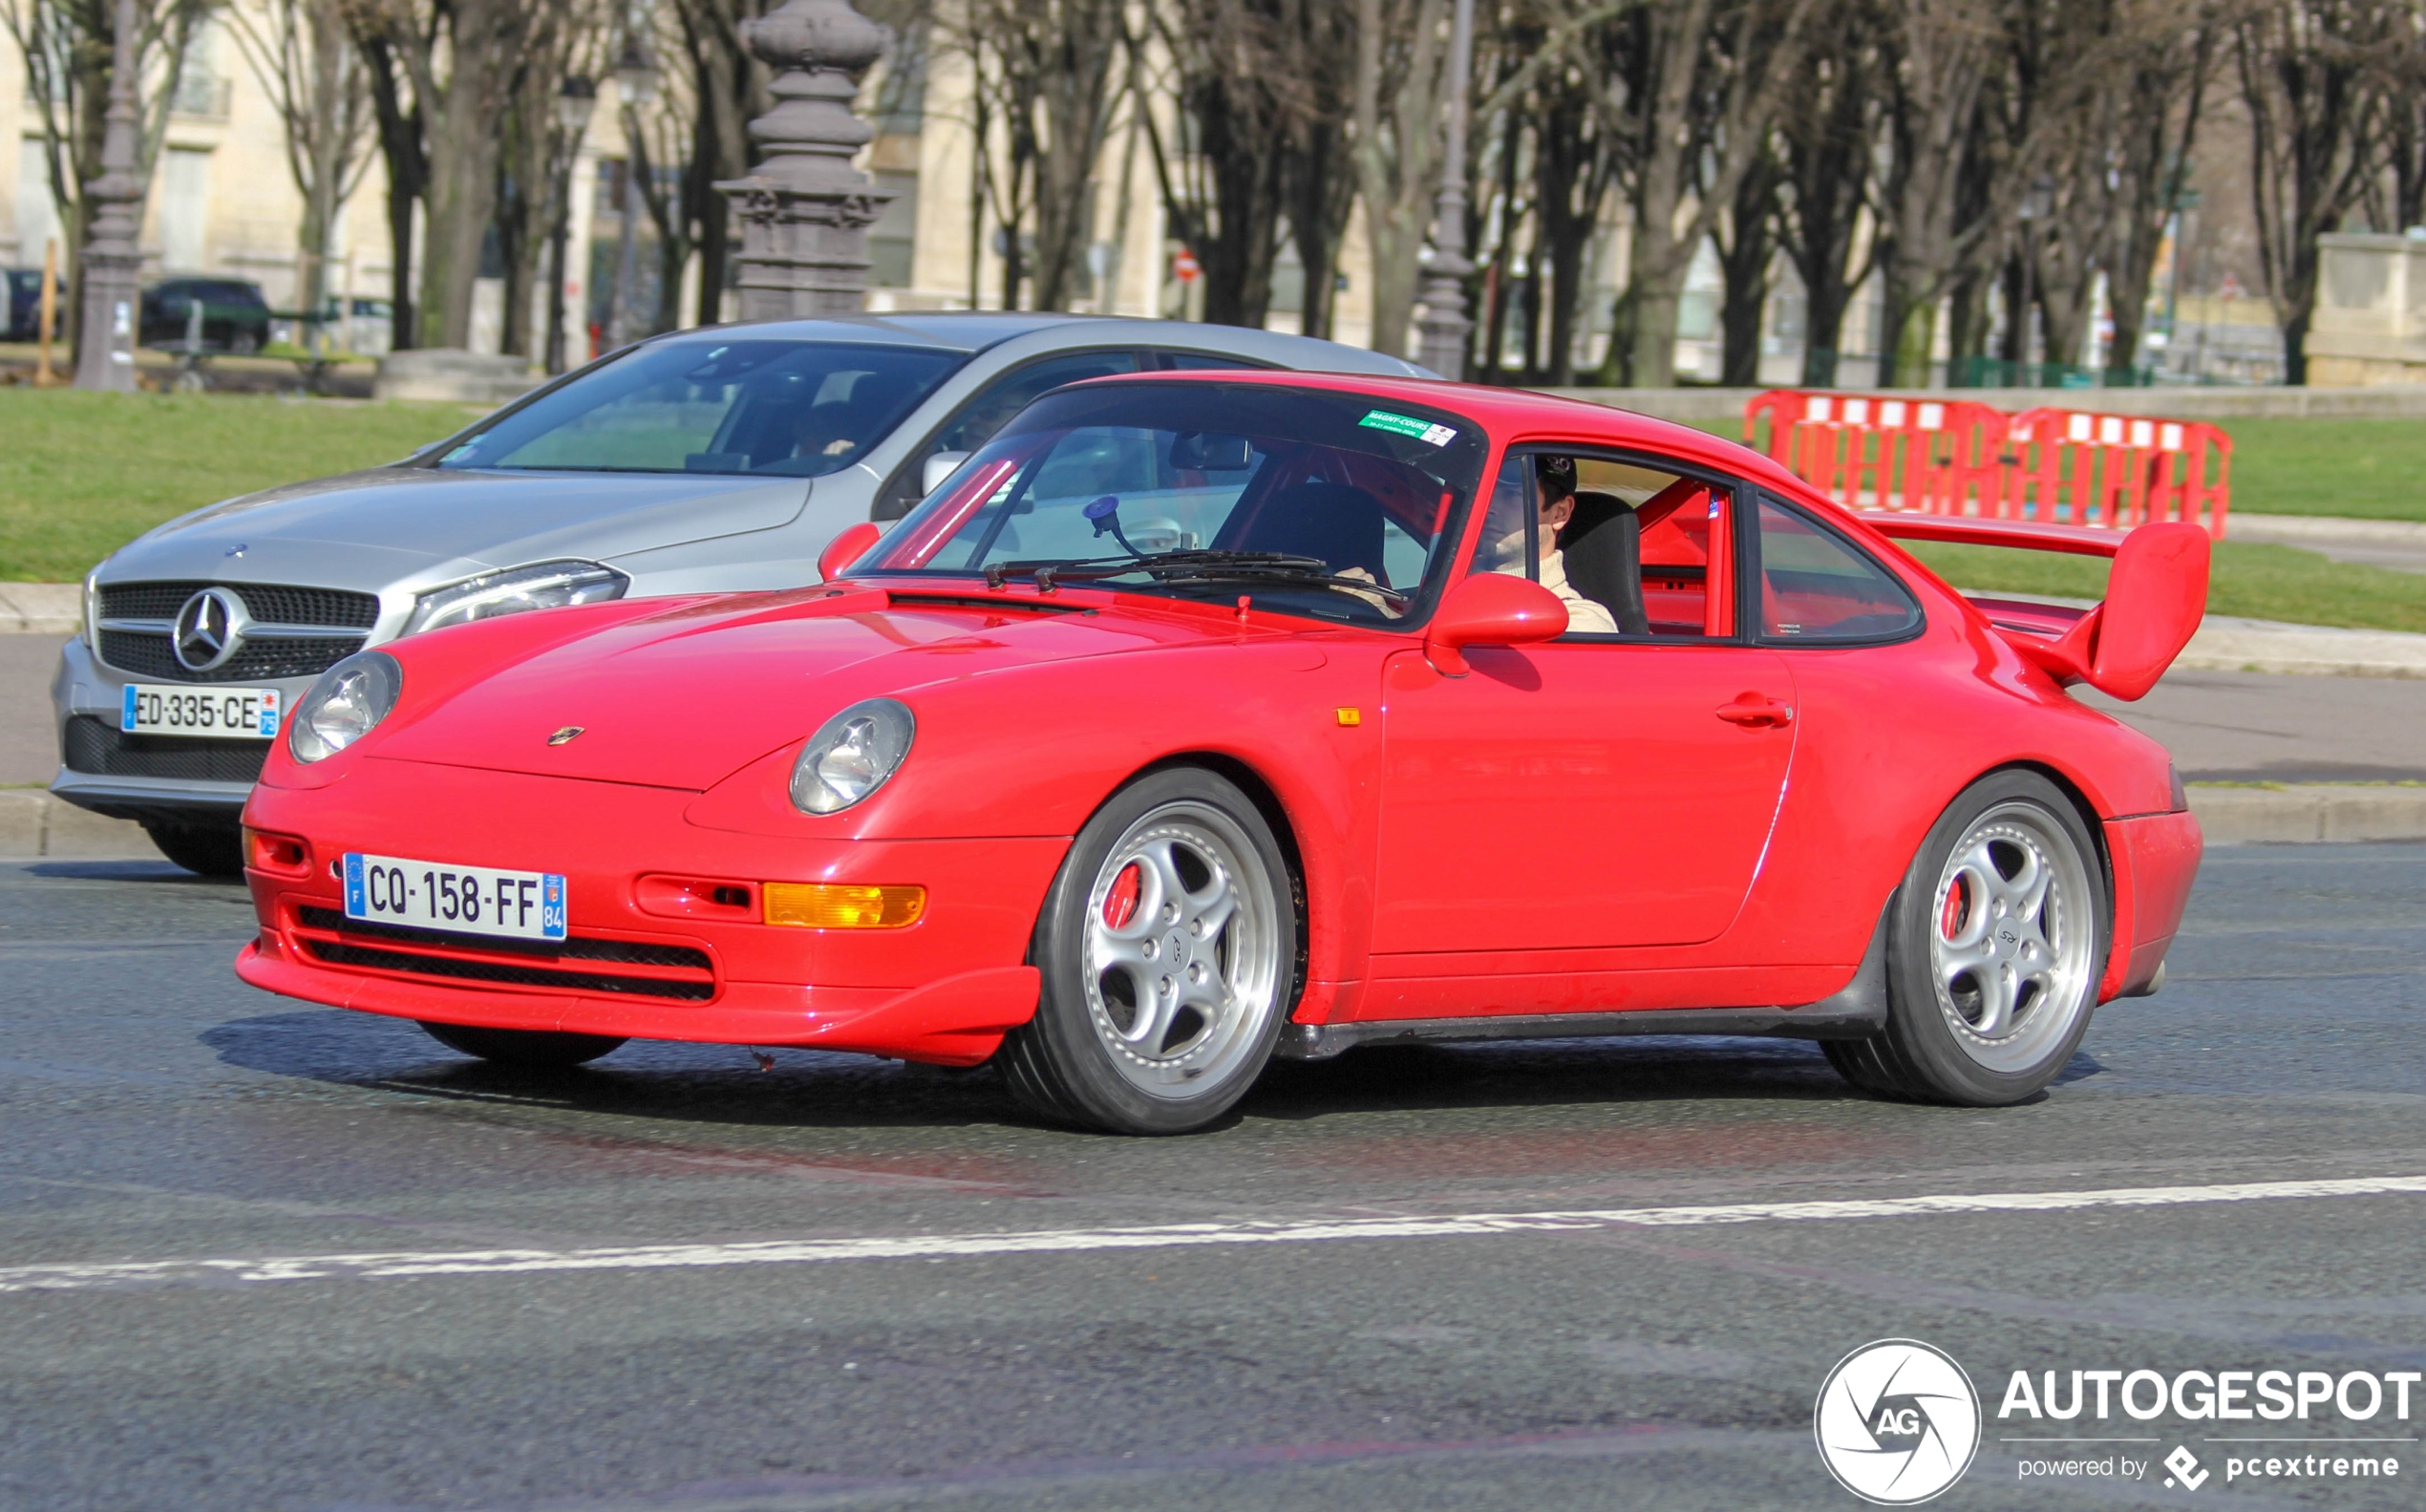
x: 1167, y: 948
x: 209, y: 847
x: 523, y: 1049
x: 1994, y: 950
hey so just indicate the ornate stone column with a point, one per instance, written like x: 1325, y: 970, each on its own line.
x: 110, y: 269
x: 805, y: 212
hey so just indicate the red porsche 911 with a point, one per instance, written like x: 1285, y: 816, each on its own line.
x: 1204, y: 718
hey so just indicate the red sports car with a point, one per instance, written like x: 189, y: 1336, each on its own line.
x: 1202, y: 718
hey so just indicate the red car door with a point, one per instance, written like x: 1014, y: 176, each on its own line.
x: 1574, y: 795
x: 1607, y: 789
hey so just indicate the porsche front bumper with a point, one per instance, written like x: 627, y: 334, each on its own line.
x: 943, y: 988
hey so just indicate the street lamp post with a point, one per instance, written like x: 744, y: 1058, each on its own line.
x: 111, y: 265
x: 804, y: 209
x: 636, y: 80
x: 1443, y: 329
x: 2036, y: 202
x: 574, y: 103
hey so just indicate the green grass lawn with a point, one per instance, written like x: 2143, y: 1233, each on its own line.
x: 84, y: 474
x: 2363, y: 469
x: 2264, y: 582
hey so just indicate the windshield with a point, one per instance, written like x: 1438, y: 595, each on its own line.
x: 1328, y: 504
x: 794, y: 409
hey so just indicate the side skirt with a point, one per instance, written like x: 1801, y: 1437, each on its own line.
x: 1855, y: 1012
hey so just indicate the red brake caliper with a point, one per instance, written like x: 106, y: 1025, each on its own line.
x: 1956, y: 897
x: 1121, y: 903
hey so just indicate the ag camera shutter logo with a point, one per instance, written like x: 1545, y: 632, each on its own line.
x: 1898, y: 1422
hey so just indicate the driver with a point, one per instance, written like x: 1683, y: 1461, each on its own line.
x: 1554, y: 479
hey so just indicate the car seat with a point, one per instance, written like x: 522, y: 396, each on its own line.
x: 1339, y: 524
x: 1602, y: 544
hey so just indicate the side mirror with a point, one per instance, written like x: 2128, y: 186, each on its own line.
x: 845, y: 549
x: 940, y: 466
x: 1489, y: 608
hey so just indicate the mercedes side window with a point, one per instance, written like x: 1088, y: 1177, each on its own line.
x: 987, y: 413
x: 1816, y: 587
x: 1205, y: 361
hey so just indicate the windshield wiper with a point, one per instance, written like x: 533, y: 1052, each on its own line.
x: 1089, y: 569
x: 1199, y: 565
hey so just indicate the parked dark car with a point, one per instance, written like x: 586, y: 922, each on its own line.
x: 235, y: 317
x: 25, y: 303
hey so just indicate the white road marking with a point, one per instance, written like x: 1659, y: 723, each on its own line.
x: 75, y: 1277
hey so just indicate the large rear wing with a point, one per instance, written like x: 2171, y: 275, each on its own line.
x: 2155, y: 595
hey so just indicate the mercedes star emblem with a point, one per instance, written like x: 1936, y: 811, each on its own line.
x: 209, y: 630
x: 565, y: 736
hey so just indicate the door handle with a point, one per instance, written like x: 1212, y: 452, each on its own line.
x: 1756, y: 711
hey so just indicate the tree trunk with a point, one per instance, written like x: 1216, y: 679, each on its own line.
x: 463, y: 146
x: 1744, y: 258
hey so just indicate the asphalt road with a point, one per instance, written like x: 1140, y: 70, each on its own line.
x: 155, y: 1110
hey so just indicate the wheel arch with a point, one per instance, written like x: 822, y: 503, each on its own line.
x: 2085, y: 810
x: 1267, y: 799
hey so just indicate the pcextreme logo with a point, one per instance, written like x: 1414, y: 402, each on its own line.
x: 1897, y: 1422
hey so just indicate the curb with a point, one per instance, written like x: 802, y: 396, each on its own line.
x: 2307, y: 813
x: 41, y: 609
x: 2227, y: 643
x: 36, y: 826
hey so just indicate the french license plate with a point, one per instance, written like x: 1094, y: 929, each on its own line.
x: 462, y: 899
x: 231, y: 713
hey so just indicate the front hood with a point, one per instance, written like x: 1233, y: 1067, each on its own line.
x: 373, y: 529
x: 684, y: 699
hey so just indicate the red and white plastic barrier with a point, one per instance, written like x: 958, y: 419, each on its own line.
x: 1959, y: 456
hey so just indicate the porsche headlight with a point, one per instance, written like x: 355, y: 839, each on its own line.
x: 851, y: 755
x: 346, y: 704
x: 543, y: 585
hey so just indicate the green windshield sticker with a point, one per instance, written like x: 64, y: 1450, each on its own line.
x: 1407, y: 425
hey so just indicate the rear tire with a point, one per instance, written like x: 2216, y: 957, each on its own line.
x: 1167, y: 948
x: 1994, y: 951
x: 208, y: 847
x: 523, y: 1049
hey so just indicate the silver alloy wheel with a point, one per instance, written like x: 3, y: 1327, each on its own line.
x: 2010, y: 936
x: 1182, y: 969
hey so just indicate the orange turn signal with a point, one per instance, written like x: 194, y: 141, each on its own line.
x: 284, y: 855
x: 842, y: 906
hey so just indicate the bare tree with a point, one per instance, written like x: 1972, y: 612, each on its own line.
x: 1318, y: 171
x: 1241, y: 95
x: 1402, y: 79
x: 66, y: 46
x: 1938, y: 52
x: 458, y: 57
x: 1691, y: 90
x: 2314, y: 122
x: 563, y: 38
x: 1825, y: 129
x: 2170, y: 52
x: 1747, y: 242
x: 404, y: 150
x: 302, y: 54
x: 1048, y: 74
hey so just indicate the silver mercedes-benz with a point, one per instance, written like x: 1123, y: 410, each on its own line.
x: 716, y: 459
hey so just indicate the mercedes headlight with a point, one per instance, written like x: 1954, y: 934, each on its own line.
x: 543, y: 585
x: 346, y: 704
x: 851, y: 755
